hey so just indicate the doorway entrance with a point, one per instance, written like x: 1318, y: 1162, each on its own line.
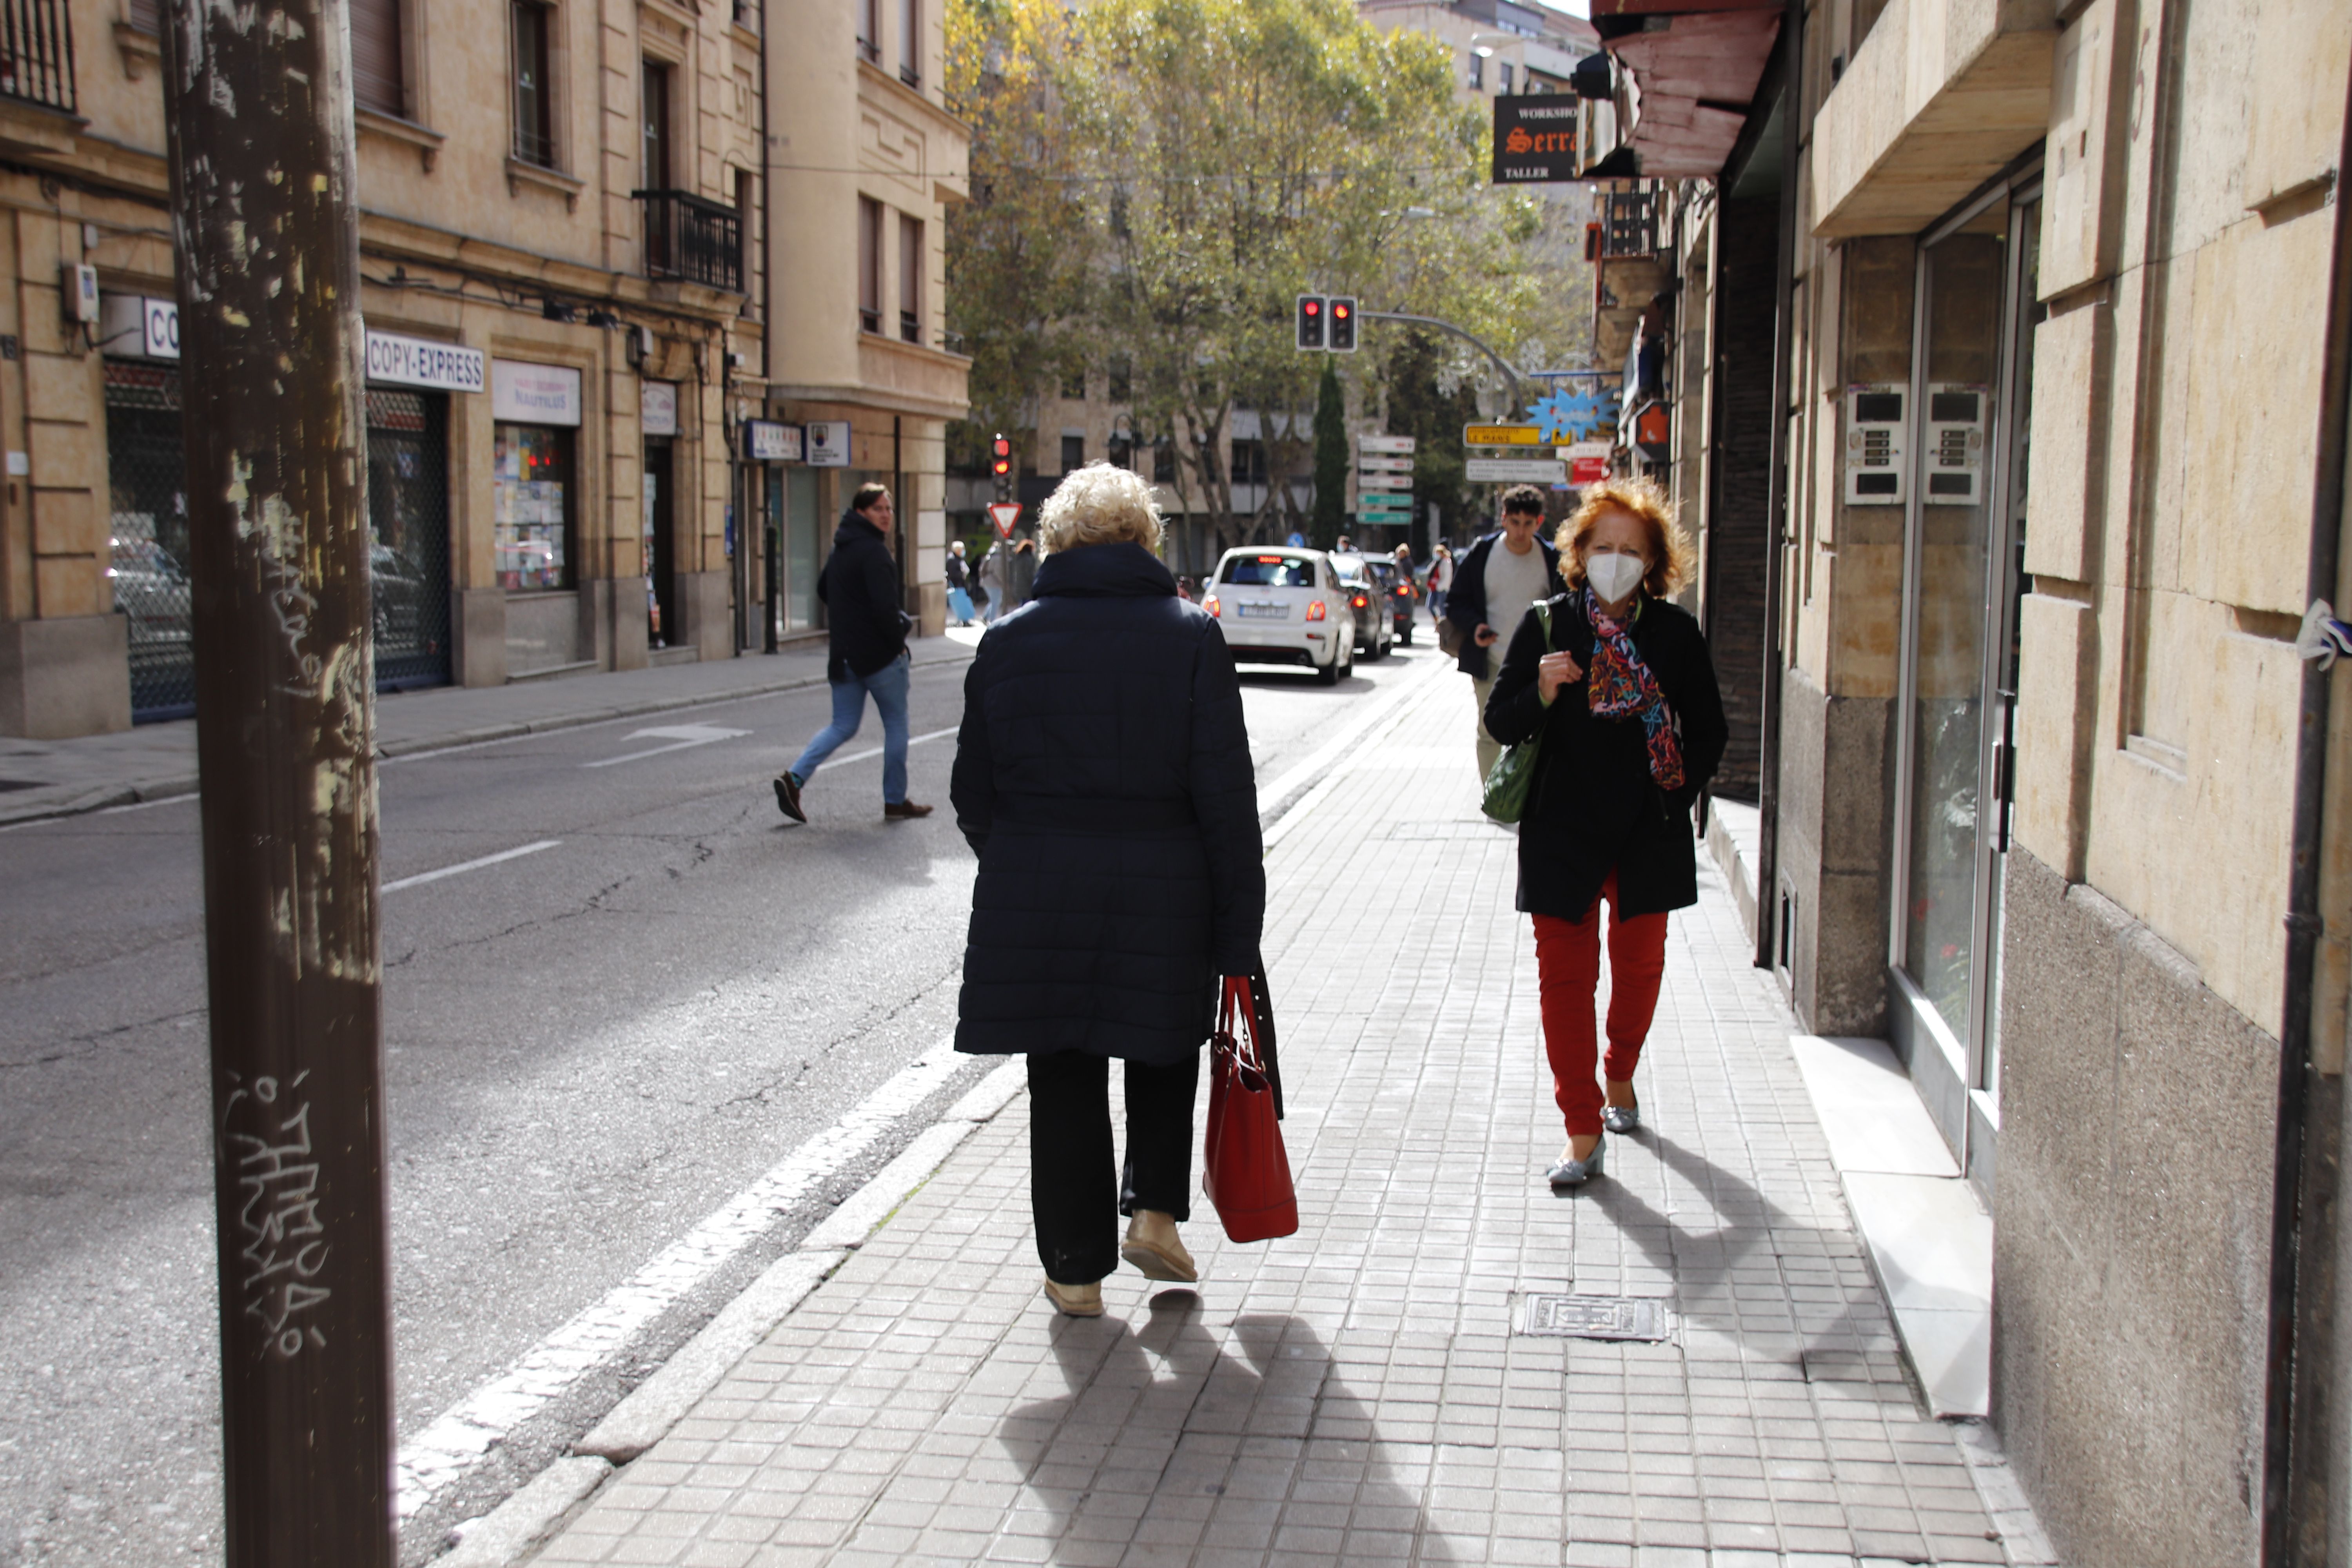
x: 1971, y: 418
x: 660, y: 544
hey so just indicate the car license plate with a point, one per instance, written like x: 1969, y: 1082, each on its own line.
x: 1266, y: 612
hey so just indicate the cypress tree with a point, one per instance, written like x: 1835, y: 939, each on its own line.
x: 1330, y: 460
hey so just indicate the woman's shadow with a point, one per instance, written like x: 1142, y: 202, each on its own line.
x: 1172, y: 1437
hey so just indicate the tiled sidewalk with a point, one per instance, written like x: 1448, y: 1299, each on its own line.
x: 1358, y: 1393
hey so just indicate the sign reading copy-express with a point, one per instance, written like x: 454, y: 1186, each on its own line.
x: 534, y: 393
x: 1535, y: 138
x: 395, y: 360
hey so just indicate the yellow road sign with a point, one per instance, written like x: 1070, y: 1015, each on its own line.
x: 1502, y: 436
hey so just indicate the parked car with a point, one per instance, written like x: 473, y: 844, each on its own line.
x: 152, y: 592
x: 1368, y: 600
x: 1284, y: 606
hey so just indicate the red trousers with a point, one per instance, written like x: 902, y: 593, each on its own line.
x: 1567, y: 966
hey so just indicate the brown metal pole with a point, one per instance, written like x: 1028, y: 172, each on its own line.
x: 259, y: 115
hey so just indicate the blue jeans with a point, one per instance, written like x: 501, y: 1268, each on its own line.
x: 887, y: 687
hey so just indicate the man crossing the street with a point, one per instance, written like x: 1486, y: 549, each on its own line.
x: 1495, y: 582
x: 868, y: 626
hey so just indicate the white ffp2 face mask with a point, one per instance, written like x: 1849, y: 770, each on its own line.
x: 1612, y: 575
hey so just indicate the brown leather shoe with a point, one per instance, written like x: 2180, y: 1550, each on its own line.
x: 1076, y: 1301
x: 1152, y: 1247
x: 903, y: 810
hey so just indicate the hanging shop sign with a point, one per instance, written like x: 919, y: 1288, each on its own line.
x: 828, y: 444
x: 657, y: 407
x: 1535, y: 137
x: 526, y: 393
x: 766, y: 441
x: 1588, y: 462
x: 396, y: 360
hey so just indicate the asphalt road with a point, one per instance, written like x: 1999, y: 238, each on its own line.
x: 589, y: 1047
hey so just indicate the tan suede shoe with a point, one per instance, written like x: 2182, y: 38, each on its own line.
x: 1153, y: 1246
x: 1076, y: 1301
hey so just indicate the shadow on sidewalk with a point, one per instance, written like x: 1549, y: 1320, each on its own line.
x: 1168, y: 1439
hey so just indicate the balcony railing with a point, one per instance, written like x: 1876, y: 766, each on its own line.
x: 1629, y: 224
x: 690, y: 239
x: 36, y: 53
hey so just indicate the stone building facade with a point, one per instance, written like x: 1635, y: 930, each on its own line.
x: 571, y: 305
x: 2044, y: 455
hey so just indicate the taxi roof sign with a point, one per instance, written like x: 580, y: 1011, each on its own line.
x: 1502, y: 436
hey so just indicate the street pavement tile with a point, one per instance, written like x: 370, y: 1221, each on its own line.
x: 1360, y: 1393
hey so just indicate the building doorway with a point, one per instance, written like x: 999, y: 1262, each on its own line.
x: 408, y: 536
x: 660, y: 544
x: 1971, y: 416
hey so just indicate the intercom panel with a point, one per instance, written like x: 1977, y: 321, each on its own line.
x: 1955, y: 460
x: 1874, y: 424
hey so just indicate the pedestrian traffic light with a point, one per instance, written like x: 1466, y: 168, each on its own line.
x: 1342, y: 328
x: 1000, y: 464
x: 1310, y: 322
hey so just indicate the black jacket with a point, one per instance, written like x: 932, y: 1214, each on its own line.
x: 859, y: 586
x: 1593, y: 806
x: 1103, y: 775
x: 1465, y: 602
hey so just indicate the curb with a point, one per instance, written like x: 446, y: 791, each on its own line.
x: 81, y: 800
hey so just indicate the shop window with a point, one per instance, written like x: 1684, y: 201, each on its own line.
x: 910, y: 42
x: 532, y: 520
x: 534, y: 86
x: 379, y: 80
x: 910, y: 278
x: 869, y: 264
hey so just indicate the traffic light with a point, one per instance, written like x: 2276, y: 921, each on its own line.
x: 1310, y: 322
x: 1000, y: 464
x: 1342, y: 328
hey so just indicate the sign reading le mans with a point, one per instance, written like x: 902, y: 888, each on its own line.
x: 1535, y: 138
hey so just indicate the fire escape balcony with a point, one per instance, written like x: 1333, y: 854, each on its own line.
x: 687, y: 238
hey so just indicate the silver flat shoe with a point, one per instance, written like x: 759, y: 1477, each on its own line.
x: 1620, y: 1119
x: 1576, y: 1172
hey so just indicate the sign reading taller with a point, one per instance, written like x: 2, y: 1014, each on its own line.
x: 1535, y: 138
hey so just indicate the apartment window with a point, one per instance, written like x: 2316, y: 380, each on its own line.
x: 534, y: 90
x: 657, y: 96
x: 1073, y: 383
x: 1122, y: 380
x: 910, y: 278
x: 910, y: 42
x: 746, y: 217
x: 1249, y: 462
x: 1502, y: 77
x: 1122, y: 452
x: 1477, y: 71
x: 869, y: 264
x: 869, y: 29
x: 1164, y: 462
x: 1074, y: 453
x: 378, y: 80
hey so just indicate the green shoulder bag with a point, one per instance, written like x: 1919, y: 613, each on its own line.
x: 1514, y: 772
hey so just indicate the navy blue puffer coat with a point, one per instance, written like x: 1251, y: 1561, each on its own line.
x: 1103, y: 775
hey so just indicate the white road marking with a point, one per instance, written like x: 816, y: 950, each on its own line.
x: 876, y: 751
x: 423, y: 876
x: 680, y: 736
x: 456, y: 1442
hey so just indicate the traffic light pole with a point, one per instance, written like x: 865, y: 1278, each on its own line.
x: 259, y: 122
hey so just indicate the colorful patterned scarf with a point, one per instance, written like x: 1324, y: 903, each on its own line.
x: 1620, y: 683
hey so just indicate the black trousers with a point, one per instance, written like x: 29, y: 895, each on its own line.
x: 1077, y: 1190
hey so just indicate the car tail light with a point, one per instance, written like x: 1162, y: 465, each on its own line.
x: 1210, y: 604
x: 1404, y: 593
x: 1317, y: 611
x: 1360, y: 601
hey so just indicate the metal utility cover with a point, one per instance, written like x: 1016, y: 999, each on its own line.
x: 1595, y: 1317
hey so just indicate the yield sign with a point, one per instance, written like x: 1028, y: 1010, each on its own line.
x: 1004, y: 514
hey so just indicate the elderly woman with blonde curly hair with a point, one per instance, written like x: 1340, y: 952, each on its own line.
x: 1103, y: 775
x: 1622, y: 697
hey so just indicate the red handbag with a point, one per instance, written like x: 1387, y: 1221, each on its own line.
x: 1245, y: 1169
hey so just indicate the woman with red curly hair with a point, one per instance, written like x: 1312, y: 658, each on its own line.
x: 1623, y: 697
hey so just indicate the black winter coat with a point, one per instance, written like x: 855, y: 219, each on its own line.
x: 1465, y: 602
x: 864, y: 615
x: 1103, y: 775
x: 1593, y: 807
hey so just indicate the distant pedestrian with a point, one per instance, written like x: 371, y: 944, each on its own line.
x: 1407, y: 578
x: 1345, y: 546
x: 1441, y: 578
x: 1498, y: 578
x: 988, y: 582
x: 1103, y: 775
x: 958, y: 584
x: 1623, y: 698
x: 868, y: 625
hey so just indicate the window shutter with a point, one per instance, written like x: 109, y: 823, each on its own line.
x: 377, y: 81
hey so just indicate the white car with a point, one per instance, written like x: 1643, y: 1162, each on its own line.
x: 1281, y: 606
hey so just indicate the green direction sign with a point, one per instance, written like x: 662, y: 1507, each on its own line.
x: 1377, y: 501
x: 1381, y: 517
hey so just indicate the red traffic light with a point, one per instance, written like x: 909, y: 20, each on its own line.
x: 1312, y: 307
x: 1340, y: 310
x: 1343, y: 325
x: 1003, y: 447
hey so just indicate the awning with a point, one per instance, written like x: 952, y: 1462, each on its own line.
x: 1686, y: 77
